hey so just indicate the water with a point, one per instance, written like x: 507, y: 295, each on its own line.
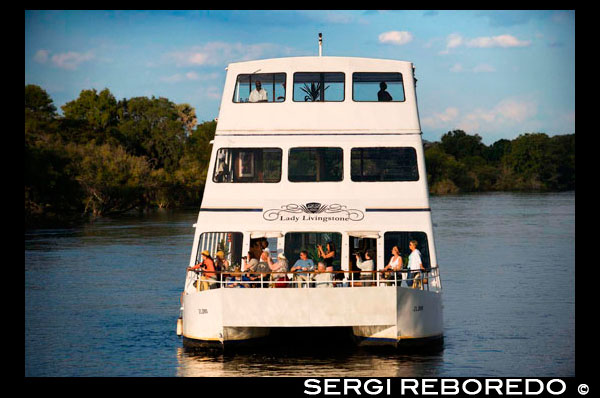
x: 103, y: 299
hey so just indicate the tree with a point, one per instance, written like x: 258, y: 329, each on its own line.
x: 460, y: 145
x: 93, y: 115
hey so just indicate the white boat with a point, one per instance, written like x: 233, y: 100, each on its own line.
x: 321, y: 160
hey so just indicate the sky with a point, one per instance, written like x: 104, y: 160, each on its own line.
x: 497, y: 74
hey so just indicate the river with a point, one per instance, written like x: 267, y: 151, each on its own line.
x: 102, y: 299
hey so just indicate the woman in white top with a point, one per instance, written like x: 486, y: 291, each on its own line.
x: 366, y: 265
x: 280, y: 266
x: 395, y: 264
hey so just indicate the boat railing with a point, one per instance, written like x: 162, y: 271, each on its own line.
x: 421, y: 279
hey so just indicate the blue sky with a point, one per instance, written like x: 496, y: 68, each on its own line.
x: 493, y: 73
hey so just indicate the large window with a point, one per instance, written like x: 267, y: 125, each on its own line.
x: 248, y: 165
x: 298, y: 241
x: 402, y: 239
x: 315, y: 164
x: 384, y: 164
x: 228, y: 242
x: 376, y: 86
x: 260, y: 87
x: 318, y: 86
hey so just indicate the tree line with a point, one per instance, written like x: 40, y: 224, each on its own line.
x: 105, y: 156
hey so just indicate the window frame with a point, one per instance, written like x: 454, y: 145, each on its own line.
x: 392, y: 101
x: 314, y: 147
x: 215, y: 165
x: 213, y: 255
x: 387, y: 147
x: 235, y: 87
x: 343, y: 89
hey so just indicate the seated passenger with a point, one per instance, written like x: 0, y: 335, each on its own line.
x: 366, y: 265
x: 303, y: 264
x: 259, y: 94
x: 322, y: 278
x: 391, y: 270
x: 280, y: 269
x: 206, y: 267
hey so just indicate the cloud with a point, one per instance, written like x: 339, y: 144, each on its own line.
x: 508, y: 113
x: 70, y: 60
x: 41, y: 56
x: 396, y: 37
x: 485, y: 68
x: 497, y: 41
x: 220, y: 53
x: 456, y: 68
x: 455, y: 40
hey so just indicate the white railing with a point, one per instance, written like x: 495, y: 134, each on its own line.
x: 423, y: 280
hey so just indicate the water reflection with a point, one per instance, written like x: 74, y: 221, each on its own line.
x: 357, y: 362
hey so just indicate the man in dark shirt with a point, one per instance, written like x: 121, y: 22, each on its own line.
x: 383, y: 95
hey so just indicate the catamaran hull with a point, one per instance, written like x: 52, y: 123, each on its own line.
x: 395, y: 316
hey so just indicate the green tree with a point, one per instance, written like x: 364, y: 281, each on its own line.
x: 460, y: 145
x: 92, y: 116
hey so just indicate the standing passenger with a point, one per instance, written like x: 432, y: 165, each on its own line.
x: 415, y: 265
x: 366, y: 265
x: 328, y: 258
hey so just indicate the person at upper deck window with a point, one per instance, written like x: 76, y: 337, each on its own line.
x: 383, y: 95
x: 282, y: 97
x: 259, y: 94
x: 328, y: 258
x: 366, y: 265
x: 303, y: 264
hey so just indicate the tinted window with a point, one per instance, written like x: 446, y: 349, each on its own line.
x: 248, y: 165
x: 318, y: 86
x: 373, y: 87
x: 272, y: 87
x: 315, y: 164
x: 384, y: 164
x: 297, y: 241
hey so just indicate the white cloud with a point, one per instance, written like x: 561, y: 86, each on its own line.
x: 455, y: 40
x: 396, y: 37
x: 179, y: 77
x: 41, y: 56
x: 220, y: 53
x: 484, y: 68
x: 456, y: 68
x: 440, y: 120
x: 70, y: 60
x: 497, y: 41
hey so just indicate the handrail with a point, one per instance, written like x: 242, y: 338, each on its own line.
x: 420, y: 279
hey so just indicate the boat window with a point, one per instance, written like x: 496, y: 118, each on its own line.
x: 248, y: 165
x: 318, y: 86
x: 260, y: 87
x: 384, y: 164
x: 230, y: 243
x: 315, y: 164
x: 298, y: 241
x: 402, y: 239
x: 377, y: 87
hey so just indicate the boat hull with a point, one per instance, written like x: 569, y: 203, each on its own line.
x: 396, y: 316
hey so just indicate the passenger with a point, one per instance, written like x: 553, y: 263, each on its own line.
x: 322, y: 278
x: 259, y: 94
x: 415, y: 265
x: 248, y: 263
x: 303, y: 264
x: 393, y: 266
x: 366, y: 265
x: 221, y: 265
x: 282, y: 98
x: 383, y: 95
x: 328, y: 258
x: 208, y: 279
x: 280, y: 269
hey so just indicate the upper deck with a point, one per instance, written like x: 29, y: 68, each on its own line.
x: 349, y: 104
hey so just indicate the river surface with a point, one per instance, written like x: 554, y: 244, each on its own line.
x: 103, y: 299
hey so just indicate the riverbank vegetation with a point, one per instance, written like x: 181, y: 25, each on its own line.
x: 105, y: 156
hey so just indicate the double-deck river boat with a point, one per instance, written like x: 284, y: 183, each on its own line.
x: 327, y: 153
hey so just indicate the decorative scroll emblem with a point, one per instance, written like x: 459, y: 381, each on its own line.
x: 298, y: 212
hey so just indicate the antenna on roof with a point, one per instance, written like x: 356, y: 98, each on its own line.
x: 320, y: 44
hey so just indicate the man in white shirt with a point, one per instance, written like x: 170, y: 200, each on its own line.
x: 415, y: 265
x: 259, y: 94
